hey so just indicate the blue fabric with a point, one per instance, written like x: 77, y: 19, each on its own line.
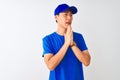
x: 70, y: 68
x: 63, y: 7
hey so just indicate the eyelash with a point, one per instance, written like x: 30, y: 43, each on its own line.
x: 66, y: 14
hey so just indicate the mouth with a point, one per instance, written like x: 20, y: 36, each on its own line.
x: 68, y: 23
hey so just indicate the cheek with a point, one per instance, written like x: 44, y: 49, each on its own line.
x: 62, y: 20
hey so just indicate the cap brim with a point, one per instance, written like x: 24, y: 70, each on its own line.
x: 73, y: 9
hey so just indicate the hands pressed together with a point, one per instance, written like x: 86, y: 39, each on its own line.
x: 69, y: 37
x: 83, y: 56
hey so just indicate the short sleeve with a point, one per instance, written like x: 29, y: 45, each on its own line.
x: 47, y: 47
x: 82, y: 44
x: 78, y: 38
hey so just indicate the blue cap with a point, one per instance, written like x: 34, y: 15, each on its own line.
x: 63, y: 7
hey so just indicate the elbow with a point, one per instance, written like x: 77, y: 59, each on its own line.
x: 87, y: 63
x: 50, y: 67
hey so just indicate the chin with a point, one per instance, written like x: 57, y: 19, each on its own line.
x: 65, y: 27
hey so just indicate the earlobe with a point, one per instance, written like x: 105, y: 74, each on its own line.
x: 56, y: 18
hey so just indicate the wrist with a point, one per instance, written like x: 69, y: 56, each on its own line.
x: 66, y: 44
x: 73, y: 44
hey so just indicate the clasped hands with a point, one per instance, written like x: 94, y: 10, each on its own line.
x: 69, y: 37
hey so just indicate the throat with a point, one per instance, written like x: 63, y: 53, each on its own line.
x: 61, y: 32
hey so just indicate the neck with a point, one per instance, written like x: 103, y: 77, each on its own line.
x: 61, y: 30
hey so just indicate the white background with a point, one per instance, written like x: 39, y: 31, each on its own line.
x: 23, y: 24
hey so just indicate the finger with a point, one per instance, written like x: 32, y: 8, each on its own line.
x: 72, y: 35
x: 68, y: 30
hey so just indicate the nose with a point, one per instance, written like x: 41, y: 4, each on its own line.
x: 69, y: 17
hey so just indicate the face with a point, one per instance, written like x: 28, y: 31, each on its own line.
x: 64, y: 19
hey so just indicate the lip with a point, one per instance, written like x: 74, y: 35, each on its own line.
x: 69, y: 23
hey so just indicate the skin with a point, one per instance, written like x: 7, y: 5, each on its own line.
x: 64, y: 21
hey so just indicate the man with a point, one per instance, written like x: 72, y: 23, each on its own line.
x: 64, y: 50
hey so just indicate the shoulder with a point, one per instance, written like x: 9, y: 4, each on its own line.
x: 46, y: 37
x: 76, y: 34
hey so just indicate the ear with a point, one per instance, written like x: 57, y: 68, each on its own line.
x: 56, y: 18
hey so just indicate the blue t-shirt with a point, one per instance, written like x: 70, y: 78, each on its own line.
x: 70, y: 68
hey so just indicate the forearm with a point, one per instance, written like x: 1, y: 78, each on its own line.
x: 56, y: 59
x: 83, y: 57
